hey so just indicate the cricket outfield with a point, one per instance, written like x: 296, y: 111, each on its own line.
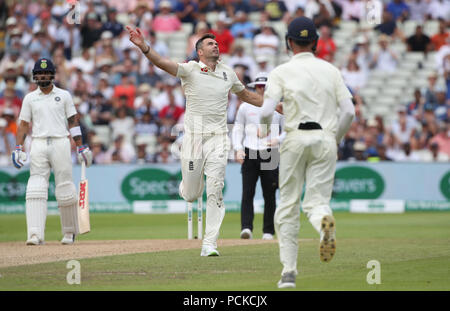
x: 151, y: 252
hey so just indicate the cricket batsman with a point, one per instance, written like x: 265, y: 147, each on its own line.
x: 318, y: 110
x: 53, y: 116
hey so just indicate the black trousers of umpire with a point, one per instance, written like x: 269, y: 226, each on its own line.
x: 256, y: 165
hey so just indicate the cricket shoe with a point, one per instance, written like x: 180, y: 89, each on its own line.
x: 34, y: 240
x: 68, y: 239
x: 327, y: 238
x: 246, y: 234
x: 209, y: 251
x: 287, y: 280
x: 267, y: 236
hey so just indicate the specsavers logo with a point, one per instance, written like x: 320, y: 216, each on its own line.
x: 153, y: 184
x: 356, y: 182
x: 13, y: 188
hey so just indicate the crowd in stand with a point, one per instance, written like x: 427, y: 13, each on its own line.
x: 113, y: 85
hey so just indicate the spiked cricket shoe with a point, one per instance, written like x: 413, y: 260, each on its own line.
x: 287, y: 280
x: 327, y: 238
x: 34, y: 240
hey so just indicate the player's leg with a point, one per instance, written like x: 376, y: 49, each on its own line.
x: 37, y: 193
x: 287, y: 215
x: 216, y: 152
x: 65, y: 190
x: 269, y: 185
x: 250, y: 172
x: 192, y: 162
x: 316, y: 204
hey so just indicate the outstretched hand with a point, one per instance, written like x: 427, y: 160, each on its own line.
x: 136, y: 37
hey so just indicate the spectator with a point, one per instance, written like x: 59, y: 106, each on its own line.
x: 242, y: 27
x: 91, y: 30
x: 99, y: 155
x: 142, y: 157
x: 439, y: 9
x: 187, y: 11
x: 41, y: 41
x: 441, y: 110
x: 85, y: 62
x: 326, y: 48
x: 351, y: 10
x: 103, y: 87
x: 442, y: 138
x: 404, y: 127
x: 238, y: 57
x: 12, y: 80
x: 266, y: 42
x: 388, y: 26
x: 171, y: 110
x: 63, y: 72
x: 418, y: 9
x: 359, y: 151
x: 147, y: 125
x: 263, y: 64
x: 10, y: 100
x: 276, y: 10
x: 164, y: 155
x: 112, y: 24
x: 151, y: 77
x: 399, y: 10
x: 102, y: 110
x: 7, y: 143
x: 325, y: 15
x: 224, y: 38
x: 121, y: 151
x: 126, y: 88
x: 169, y: 87
x: 440, y: 39
x: 415, y: 107
x: 122, y: 125
x: 381, y: 152
x: 353, y: 76
x: 408, y: 154
x: 166, y: 21
x: 241, y: 6
x: 432, y: 154
x: 161, y: 48
x: 419, y: 42
x: 364, y: 55
x: 384, y: 59
x: 430, y: 90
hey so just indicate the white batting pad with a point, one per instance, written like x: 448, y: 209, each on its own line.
x: 66, y: 196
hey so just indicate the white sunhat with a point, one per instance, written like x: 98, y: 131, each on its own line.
x: 261, y: 79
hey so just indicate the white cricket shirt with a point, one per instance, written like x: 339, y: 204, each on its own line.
x: 48, y: 112
x: 245, y: 130
x: 206, y: 94
x: 311, y: 89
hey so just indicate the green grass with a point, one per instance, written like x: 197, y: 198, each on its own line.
x: 413, y: 250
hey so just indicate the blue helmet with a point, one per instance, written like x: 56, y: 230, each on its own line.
x: 301, y: 29
x: 44, y: 65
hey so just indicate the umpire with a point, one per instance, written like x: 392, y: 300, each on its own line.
x: 259, y: 158
x: 318, y: 110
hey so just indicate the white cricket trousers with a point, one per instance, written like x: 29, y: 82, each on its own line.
x: 205, y: 155
x: 46, y: 154
x: 306, y: 157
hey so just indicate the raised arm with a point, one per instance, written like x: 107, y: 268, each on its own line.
x: 164, y: 63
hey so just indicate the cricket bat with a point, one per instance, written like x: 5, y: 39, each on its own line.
x: 83, y: 202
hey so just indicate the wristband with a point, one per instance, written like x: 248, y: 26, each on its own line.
x: 75, y: 131
x: 19, y: 147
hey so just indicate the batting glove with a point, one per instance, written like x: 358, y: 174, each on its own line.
x: 84, y: 155
x: 18, y: 157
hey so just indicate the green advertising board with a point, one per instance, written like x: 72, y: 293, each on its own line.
x: 357, y: 182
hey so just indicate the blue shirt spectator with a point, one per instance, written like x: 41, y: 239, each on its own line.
x: 398, y: 8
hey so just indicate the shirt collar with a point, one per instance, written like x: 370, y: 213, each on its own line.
x: 203, y: 65
x: 42, y: 93
x: 303, y: 55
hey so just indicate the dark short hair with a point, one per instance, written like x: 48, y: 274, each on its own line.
x: 199, y: 43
